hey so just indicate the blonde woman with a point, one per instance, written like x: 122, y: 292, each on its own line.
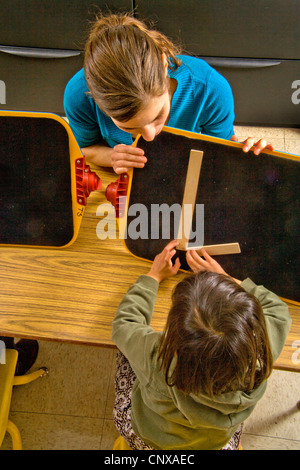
x: 135, y: 82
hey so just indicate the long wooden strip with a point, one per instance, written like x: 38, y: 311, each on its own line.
x: 220, y: 249
x: 189, y: 197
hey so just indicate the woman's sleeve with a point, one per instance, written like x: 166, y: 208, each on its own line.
x: 80, y: 113
x: 219, y: 108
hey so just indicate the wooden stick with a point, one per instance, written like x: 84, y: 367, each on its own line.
x: 189, y: 197
x: 221, y: 249
x: 186, y: 217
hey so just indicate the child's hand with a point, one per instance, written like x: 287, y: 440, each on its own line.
x: 162, y: 266
x: 204, y: 262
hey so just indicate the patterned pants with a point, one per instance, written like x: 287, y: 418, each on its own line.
x: 124, y: 381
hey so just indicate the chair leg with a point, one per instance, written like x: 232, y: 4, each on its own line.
x: 27, y: 378
x: 121, y: 444
x: 21, y: 380
x: 15, y: 435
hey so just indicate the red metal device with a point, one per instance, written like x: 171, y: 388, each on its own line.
x: 115, y: 190
x: 86, y: 181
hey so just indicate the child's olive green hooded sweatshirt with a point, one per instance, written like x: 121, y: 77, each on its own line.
x: 164, y: 417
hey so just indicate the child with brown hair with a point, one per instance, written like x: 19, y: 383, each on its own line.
x: 193, y: 385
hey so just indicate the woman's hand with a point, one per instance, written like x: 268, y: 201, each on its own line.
x: 162, y: 266
x: 258, y: 146
x: 204, y: 262
x: 125, y: 157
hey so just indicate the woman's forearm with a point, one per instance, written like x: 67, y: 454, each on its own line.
x: 99, y: 155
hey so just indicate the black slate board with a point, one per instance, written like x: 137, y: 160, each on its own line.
x: 252, y: 200
x: 35, y: 182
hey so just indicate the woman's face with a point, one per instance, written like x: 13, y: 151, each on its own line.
x: 150, y: 120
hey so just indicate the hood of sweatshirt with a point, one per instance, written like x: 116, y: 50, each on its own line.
x: 194, y: 410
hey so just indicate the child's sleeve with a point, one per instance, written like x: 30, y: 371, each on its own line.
x: 131, y: 330
x: 278, y: 320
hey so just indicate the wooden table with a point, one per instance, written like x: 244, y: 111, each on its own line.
x: 72, y: 294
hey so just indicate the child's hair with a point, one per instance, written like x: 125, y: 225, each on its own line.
x: 215, y: 339
x: 123, y: 64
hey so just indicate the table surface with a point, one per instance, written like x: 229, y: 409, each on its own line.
x: 71, y: 294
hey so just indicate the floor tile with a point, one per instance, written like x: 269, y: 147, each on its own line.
x: 292, y: 146
x: 109, y: 435
x: 77, y: 383
x: 111, y: 389
x: 260, y: 132
x: 53, y: 432
x: 292, y: 133
x: 254, y: 442
x: 276, y: 414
